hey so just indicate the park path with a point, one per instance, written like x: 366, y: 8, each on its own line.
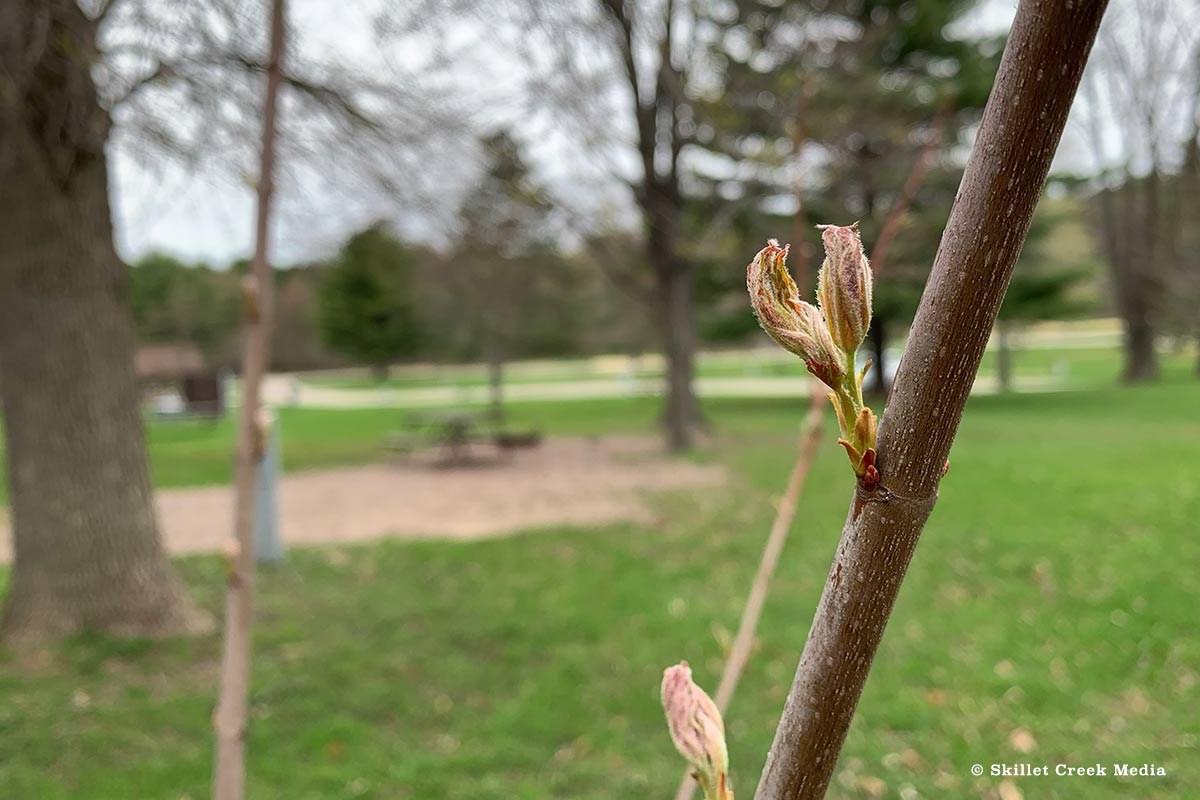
x: 287, y: 390
x: 577, y: 482
x: 615, y: 376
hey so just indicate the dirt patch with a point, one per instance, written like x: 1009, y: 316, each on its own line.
x: 584, y: 482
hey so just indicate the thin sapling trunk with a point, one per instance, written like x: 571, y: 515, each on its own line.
x: 230, y: 720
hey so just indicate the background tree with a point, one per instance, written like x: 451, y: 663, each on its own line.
x: 92, y: 557
x: 367, y: 304
x: 176, y: 302
x: 510, y: 288
x: 829, y: 109
x: 617, y: 80
x: 1054, y: 279
x: 297, y: 344
x: 1141, y: 96
x: 183, y: 80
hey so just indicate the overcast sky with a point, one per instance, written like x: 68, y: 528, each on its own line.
x: 208, y: 216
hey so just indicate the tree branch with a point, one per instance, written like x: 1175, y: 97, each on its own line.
x: 232, y: 715
x: 1018, y: 135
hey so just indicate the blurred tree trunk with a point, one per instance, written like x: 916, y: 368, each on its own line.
x: 380, y: 372
x: 1127, y: 234
x: 1188, y: 249
x: 1003, y: 356
x: 681, y: 416
x: 495, y: 361
x: 1132, y: 284
x: 802, y: 257
x: 1141, y: 360
x: 86, y: 544
x: 887, y: 235
x: 231, y: 718
x: 660, y: 200
x: 878, y: 333
x: 1136, y: 261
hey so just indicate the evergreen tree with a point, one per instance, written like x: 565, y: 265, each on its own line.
x: 367, y: 309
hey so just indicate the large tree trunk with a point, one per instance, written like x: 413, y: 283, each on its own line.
x: 86, y: 545
x: 681, y: 416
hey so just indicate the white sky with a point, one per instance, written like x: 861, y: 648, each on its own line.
x: 207, y: 216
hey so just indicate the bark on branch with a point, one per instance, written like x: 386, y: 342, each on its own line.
x: 229, y: 768
x: 1018, y: 136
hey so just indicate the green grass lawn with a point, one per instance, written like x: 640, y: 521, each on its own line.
x: 1055, y: 592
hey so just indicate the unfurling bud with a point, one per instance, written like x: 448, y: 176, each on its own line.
x: 844, y: 286
x: 798, y: 326
x: 827, y: 338
x: 697, y: 731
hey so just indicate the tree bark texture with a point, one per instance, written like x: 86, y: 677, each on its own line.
x: 230, y: 720
x: 1020, y: 130
x: 86, y: 544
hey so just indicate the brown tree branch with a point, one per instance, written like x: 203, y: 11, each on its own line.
x: 743, y: 642
x: 802, y: 250
x: 899, y: 209
x: 1020, y: 130
x: 230, y: 720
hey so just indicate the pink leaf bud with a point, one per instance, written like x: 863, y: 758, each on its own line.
x: 696, y: 729
x: 844, y: 286
x: 798, y: 326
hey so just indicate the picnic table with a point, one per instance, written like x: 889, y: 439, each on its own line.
x: 453, y: 432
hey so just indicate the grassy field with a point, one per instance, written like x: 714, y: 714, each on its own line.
x: 1051, y: 607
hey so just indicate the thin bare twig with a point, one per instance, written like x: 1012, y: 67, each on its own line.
x: 743, y: 642
x: 230, y: 720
